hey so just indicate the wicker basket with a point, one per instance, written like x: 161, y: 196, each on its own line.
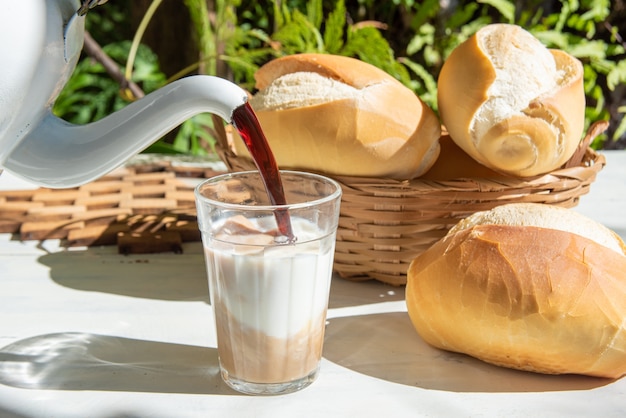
x: 384, y: 223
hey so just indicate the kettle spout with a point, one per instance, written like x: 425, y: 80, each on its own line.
x: 58, y: 154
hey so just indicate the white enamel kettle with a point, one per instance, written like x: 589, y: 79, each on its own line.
x: 40, y: 43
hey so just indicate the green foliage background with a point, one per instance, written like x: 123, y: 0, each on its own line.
x: 409, y: 39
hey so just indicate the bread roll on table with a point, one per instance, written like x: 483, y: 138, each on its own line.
x: 342, y: 116
x: 512, y: 104
x: 526, y: 286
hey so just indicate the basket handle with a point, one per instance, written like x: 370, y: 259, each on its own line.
x: 223, y: 141
x: 220, y: 131
x: 594, y: 130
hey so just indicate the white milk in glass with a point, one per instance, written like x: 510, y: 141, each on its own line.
x: 270, y: 301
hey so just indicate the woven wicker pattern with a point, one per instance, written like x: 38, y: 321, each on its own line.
x: 385, y: 223
x: 144, y: 208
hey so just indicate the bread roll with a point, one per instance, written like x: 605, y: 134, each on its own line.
x: 526, y: 286
x: 341, y: 116
x: 512, y: 104
x: 454, y: 163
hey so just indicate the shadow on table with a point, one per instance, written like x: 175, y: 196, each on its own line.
x: 165, y: 276
x: 180, y: 277
x: 4, y: 413
x: 383, y: 346
x: 386, y: 346
x: 81, y: 361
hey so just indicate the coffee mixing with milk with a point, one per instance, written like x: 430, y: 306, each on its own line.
x: 270, y: 301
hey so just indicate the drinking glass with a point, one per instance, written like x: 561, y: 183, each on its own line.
x: 269, y: 288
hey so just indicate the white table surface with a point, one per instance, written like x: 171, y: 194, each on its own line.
x: 90, y: 333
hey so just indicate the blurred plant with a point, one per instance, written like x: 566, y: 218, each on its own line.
x: 574, y: 30
x: 310, y: 31
x: 409, y: 39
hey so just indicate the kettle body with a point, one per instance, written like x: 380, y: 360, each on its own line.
x: 41, y: 42
x: 36, y: 63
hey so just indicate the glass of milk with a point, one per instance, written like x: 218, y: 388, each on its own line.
x: 269, y: 292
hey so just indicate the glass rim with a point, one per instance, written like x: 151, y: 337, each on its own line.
x: 337, y: 193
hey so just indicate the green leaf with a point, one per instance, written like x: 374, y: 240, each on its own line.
x: 193, y: 136
x: 552, y: 38
x: 314, y: 13
x: 588, y: 49
x: 617, y: 75
x: 424, y: 37
x: 334, y: 30
x: 505, y: 7
x: 367, y: 43
x: 429, y: 93
x: 279, y: 13
x: 599, y: 11
x: 462, y: 15
x: 620, y: 131
x: 426, y: 11
x: 299, y: 35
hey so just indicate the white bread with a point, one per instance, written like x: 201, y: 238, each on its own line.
x: 342, y: 116
x: 510, y: 103
x: 526, y: 286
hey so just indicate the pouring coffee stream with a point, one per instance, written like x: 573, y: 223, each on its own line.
x: 41, y: 42
x: 250, y: 130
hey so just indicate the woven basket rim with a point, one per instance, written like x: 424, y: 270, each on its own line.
x: 385, y: 223
x: 584, y: 164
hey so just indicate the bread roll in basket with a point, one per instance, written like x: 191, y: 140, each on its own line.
x: 342, y: 116
x: 512, y: 104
